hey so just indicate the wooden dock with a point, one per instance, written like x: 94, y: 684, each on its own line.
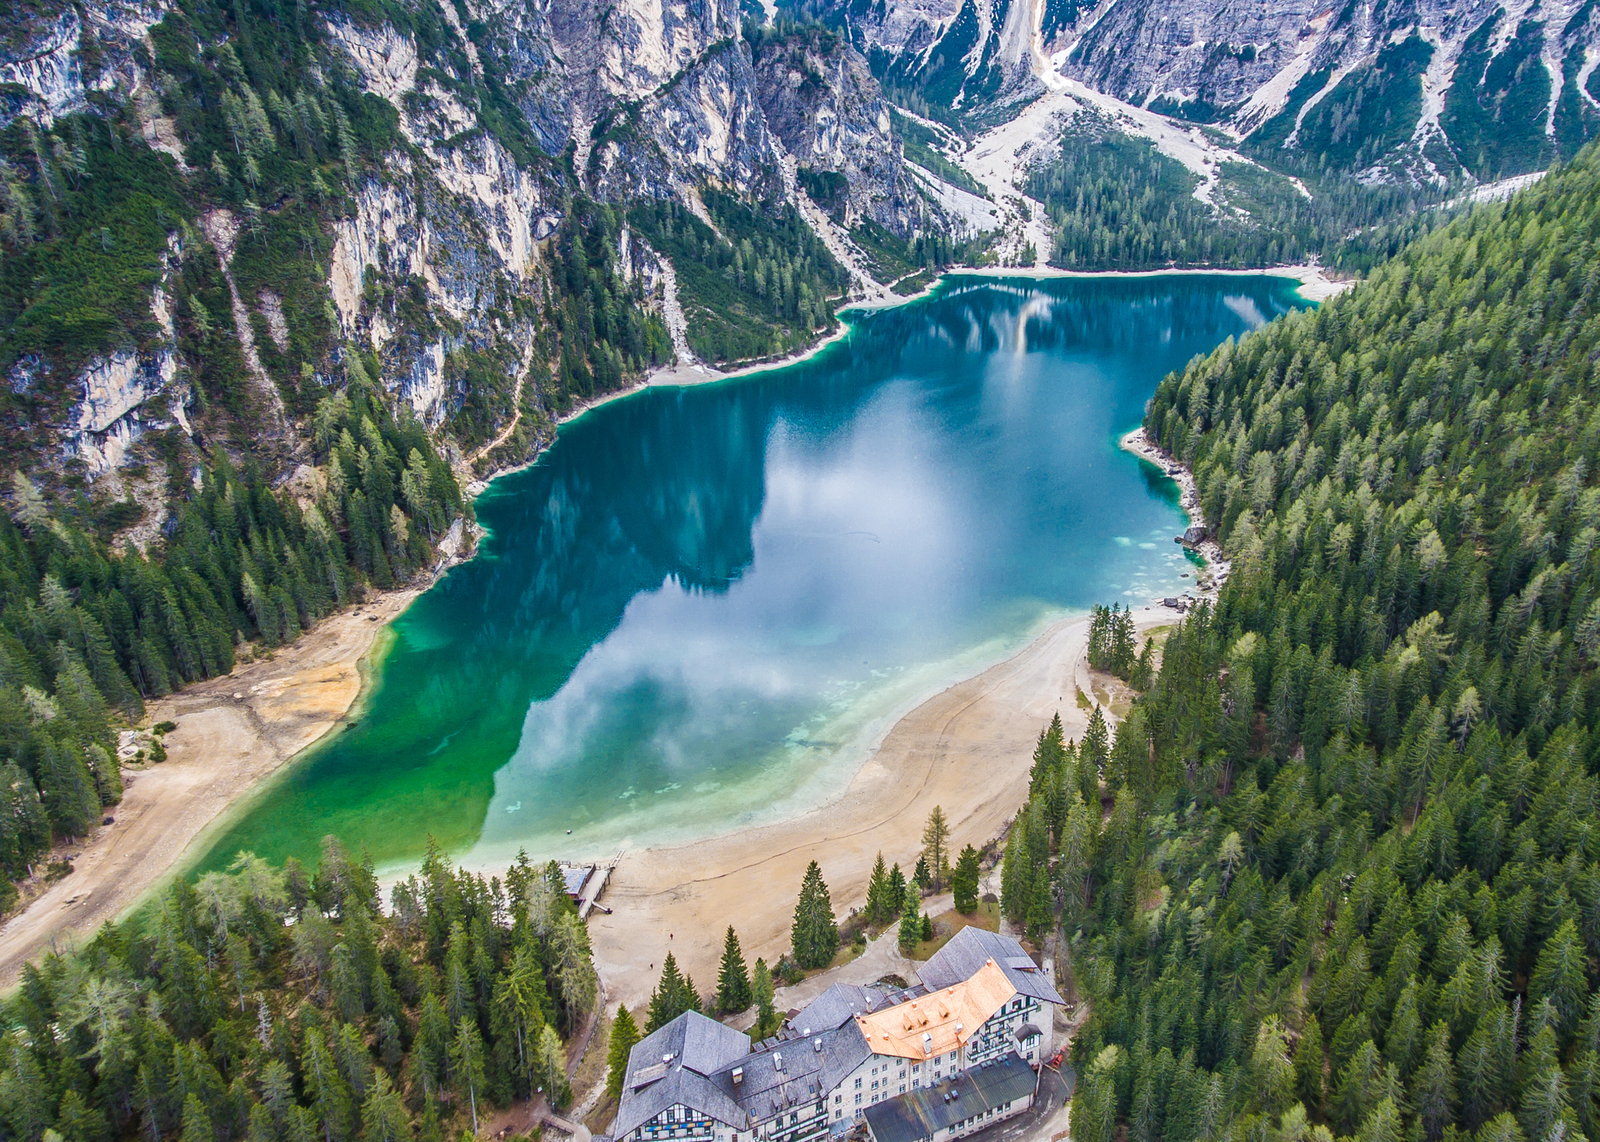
x: 592, y: 889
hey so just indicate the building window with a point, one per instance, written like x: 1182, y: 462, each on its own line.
x: 858, y: 1082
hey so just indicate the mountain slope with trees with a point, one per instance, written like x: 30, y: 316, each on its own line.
x: 280, y: 1006
x: 1338, y: 874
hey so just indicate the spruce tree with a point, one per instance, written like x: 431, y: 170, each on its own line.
x: 1096, y: 748
x: 624, y: 1034
x: 964, y: 880
x: 879, y: 906
x: 895, y: 894
x: 815, y: 937
x: 733, y: 982
x: 1041, y: 904
x: 674, y: 995
x: 766, y: 1024
x: 910, y: 934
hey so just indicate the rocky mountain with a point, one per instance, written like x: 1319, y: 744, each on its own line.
x: 207, y: 209
x: 1385, y: 89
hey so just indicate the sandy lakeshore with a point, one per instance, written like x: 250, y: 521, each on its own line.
x: 968, y: 749
x: 232, y: 732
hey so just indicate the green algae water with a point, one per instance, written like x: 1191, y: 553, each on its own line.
x: 702, y: 604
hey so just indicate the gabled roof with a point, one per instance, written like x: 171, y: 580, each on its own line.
x: 674, y: 1066
x: 922, y: 1114
x: 967, y: 952
x: 834, y: 1008
x: 810, y: 1069
x: 939, y: 1021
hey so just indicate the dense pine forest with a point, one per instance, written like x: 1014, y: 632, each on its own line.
x: 1338, y: 875
x: 287, y: 1006
x: 87, y: 631
x: 1117, y: 203
x: 756, y: 286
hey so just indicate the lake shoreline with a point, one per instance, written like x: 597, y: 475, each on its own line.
x: 235, y: 734
x: 1314, y: 286
x: 967, y: 748
x: 292, y: 701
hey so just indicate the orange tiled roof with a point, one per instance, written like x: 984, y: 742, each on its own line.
x: 939, y: 1021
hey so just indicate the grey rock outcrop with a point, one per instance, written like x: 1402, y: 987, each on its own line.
x: 643, y: 99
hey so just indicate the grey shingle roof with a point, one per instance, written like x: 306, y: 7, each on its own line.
x: 921, y: 1114
x: 834, y: 1007
x: 967, y: 951
x: 705, y: 1054
x: 808, y: 1074
x: 699, y: 1047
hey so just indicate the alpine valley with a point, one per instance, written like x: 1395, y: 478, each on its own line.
x: 291, y: 290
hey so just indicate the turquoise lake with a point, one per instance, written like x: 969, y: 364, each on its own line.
x: 703, y: 604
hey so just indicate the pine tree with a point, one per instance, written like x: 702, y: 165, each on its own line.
x: 1041, y: 905
x: 733, y: 982
x: 896, y: 893
x: 674, y: 995
x: 1096, y: 748
x: 1560, y: 975
x: 879, y: 907
x: 624, y: 1034
x: 766, y: 1024
x: 815, y: 937
x: 935, y: 838
x: 1433, y: 1092
x: 467, y: 1065
x: 964, y: 881
x: 196, y: 1122
x: 910, y: 934
x: 383, y: 1115
x: 1309, y: 1065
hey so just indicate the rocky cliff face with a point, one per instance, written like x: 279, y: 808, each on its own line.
x: 1424, y: 89
x: 439, y: 257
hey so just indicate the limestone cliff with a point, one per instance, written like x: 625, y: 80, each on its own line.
x: 445, y: 253
x: 1386, y: 89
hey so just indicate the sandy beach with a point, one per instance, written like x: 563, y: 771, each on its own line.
x: 967, y: 749
x: 232, y: 732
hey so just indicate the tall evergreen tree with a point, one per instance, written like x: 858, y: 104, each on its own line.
x: 674, y: 995
x: 935, y: 839
x: 964, y: 880
x: 815, y: 937
x: 910, y: 932
x: 767, y: 1022
x: 624, y: 1034
x: 733, y: 981
x: 879, y: 904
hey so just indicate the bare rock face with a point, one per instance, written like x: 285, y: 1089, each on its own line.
x: 1421, y: 82
x: 635, y: 99
x: 820, y: 100
x: 1386, y: 89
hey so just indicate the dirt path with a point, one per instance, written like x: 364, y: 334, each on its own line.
x: 232, y: 732
x: 967, y: 749
x: 516, y: 408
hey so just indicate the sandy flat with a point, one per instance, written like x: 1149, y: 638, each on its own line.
x: 222, y: 747
x: 968, y: 749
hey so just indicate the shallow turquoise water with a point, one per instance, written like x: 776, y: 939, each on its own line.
x: 702, y: 603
